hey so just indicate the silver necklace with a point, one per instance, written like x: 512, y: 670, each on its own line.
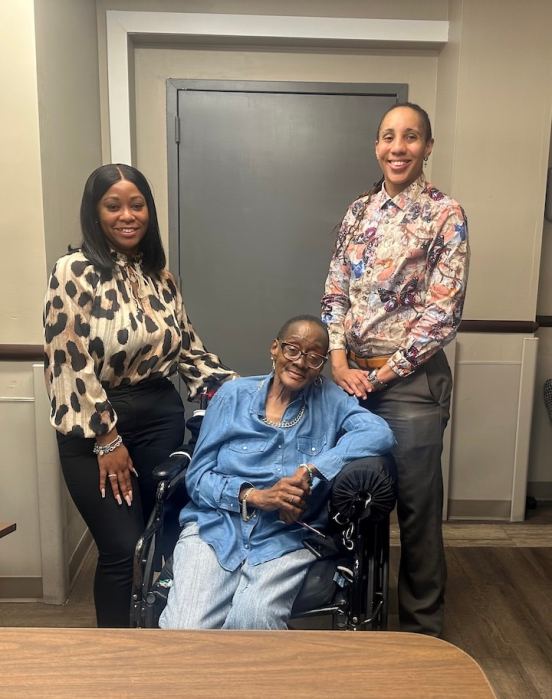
x: 285, y: 423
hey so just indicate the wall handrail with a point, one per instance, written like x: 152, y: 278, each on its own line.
x: 35, y: 353
x: 499, y: 326
x: 21, y: 353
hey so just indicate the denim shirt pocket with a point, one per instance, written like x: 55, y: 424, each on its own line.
x: 248, y: 446
x: 310, y: 446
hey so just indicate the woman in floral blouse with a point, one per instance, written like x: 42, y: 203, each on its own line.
x: 393, y: 298
x: 115, y: 331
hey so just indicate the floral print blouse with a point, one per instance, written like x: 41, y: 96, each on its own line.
x: 397, y: 278
x: 104, y: 330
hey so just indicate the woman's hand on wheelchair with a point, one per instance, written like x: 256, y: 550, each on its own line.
x: 289, y: 496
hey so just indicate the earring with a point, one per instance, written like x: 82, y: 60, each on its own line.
x: 318, y: 380
x: 273, y: 363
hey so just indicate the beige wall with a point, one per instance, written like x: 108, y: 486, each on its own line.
x: 68, y: 92
x: 503, y: 111
x: 22, y: 264
x: 50, y: 140
x: 495, y: 104
x: 22, y: 273
x: 381, y: 9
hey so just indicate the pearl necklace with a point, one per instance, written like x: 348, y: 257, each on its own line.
x: 285, y: 423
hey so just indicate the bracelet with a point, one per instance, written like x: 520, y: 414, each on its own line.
x: 310, y: 472
x: 378, y: 384
x: 244, y: 513
x: 103, y: 449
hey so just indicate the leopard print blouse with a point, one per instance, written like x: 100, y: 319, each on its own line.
x: 104, y: 330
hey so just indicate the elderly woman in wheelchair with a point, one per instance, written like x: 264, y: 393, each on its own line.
x: 258, y: 483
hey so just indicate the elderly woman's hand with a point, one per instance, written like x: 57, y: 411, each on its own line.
x: 289, y: 496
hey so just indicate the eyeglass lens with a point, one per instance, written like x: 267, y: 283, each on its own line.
x: 314, y: 361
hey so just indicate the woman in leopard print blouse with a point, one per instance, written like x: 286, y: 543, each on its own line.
x: 115, y: 329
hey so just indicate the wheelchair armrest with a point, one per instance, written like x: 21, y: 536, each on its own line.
x: 364, y: 489
x: 177, y: 462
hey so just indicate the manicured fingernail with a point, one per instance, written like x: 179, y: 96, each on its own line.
x: 118, y: 498
x: 128, y: 499
x: 103, y: 492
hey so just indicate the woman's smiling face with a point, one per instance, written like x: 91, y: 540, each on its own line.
x: 401, y: 147
x: 123, y: 215
x: 294, y: 375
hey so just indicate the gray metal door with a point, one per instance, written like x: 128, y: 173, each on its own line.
x: 261, y: 173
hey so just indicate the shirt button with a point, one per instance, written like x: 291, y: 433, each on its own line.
x: 313, y: 449
x: 246, y: 546
x: 245, y: 448
x: 279, y: 446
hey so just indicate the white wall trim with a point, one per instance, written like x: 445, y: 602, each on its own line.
x: 16, y: 399
x: 523, y: 427
x: 324, y: 30
x: 55, y: 584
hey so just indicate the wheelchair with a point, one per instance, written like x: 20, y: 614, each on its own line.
x: 347, y: 582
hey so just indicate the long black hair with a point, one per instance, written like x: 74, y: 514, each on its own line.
x: 344, y: 236
x: 95, y: 245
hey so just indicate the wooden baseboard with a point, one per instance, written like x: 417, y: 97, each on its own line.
x: 18, y: 589
x: 480, y: 509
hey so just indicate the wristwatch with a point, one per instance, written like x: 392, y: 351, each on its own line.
x: 376, y: 383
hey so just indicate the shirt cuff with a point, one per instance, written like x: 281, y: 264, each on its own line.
x: 229, y: 495
x: 328, y: 465
x: 401, y: 366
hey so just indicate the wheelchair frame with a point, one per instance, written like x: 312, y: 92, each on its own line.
x: 356, y: 579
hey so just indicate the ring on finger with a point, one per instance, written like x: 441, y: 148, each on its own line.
x: 112, y: 475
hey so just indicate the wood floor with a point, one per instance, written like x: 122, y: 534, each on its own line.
x: 499, y: 601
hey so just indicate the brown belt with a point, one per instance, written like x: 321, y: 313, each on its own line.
x: 369, y: 362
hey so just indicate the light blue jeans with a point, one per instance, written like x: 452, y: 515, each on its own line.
x: 205, y: 596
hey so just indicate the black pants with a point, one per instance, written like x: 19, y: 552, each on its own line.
x: 417, y: 410
x: 151, y: 423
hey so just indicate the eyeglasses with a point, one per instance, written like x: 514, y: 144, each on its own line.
x: 293, y: 353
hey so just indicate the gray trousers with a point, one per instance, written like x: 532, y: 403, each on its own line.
x: 417, y: 410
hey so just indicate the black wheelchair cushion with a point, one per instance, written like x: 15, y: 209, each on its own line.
x: 363, y: 489
x: 319, y: 587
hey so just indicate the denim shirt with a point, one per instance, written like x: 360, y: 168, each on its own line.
x: 236, y: 448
